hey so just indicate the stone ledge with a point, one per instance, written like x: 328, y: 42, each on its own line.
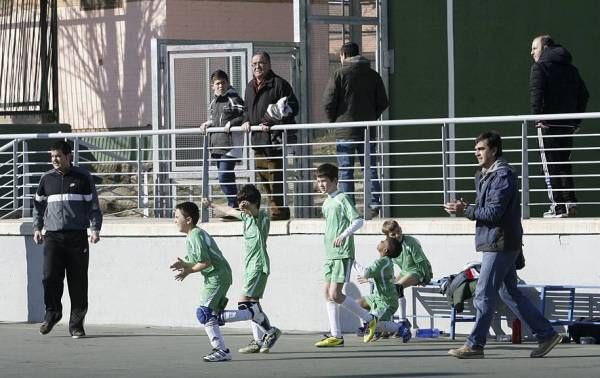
x: 117, y: 227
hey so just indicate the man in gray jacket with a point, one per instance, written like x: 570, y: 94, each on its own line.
x: 355, y: 92
x: 65, y: 205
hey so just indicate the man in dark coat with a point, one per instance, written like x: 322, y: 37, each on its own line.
x: 355, y: 92
x: 555, y: 86
x: 270, y: 101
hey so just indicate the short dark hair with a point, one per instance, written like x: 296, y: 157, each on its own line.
x: 492, y: 139
x: 264, y: 54
x: 219, y: 75
x: 249, y: 193
x: 328, y: 170
x: 189, y: 209
x: 349, y: 49
x: 546, y: 40
x: 61, y: 145
x: 394, y: 247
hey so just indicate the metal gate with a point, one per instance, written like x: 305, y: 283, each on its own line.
x: 182, y: 94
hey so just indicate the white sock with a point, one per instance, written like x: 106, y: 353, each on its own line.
x: 402, y: 309
x: 230, y: 316
x: 257, y: 332
x: 335, y: 319
x: 214, y: 334
x: 387, y: 326
x: 351, y: 305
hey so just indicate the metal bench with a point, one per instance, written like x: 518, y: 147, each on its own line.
x: 562, y: 305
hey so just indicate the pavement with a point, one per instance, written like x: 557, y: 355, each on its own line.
x: 118, y: 351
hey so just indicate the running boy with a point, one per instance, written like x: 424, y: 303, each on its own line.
x: 414, y: 266
x: 203, y: 255
x: 256, y: 268
x: 341, y: 222
x: 383, y: 302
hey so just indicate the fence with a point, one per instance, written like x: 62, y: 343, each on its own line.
x: 139, y: 173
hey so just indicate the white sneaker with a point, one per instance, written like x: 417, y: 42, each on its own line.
x: 218, y: 355
x: 553, y: 214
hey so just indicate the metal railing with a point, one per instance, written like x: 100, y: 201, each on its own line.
x: 424, y: 163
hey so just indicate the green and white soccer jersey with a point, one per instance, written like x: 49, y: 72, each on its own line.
x: 412, y: 260
x: 201, y: 247
x: 256, y: 258
x: 339, y: 213
x: 384, y: 300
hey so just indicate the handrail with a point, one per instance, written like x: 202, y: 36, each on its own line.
x: 314, y: 126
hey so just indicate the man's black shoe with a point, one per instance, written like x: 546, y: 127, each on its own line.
x: 77, y: 333
x: 47, y: 325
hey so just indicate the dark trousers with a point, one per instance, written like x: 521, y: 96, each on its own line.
x: 66, y: 251
x: 556, y: 163
x: 270, y: 174
x: 225, y: 168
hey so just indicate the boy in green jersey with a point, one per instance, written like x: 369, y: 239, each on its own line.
x: 203, y: 255
x: 256, y: 267
x: 414, y: 266
x: 341, y: 222
x: 382, y: 303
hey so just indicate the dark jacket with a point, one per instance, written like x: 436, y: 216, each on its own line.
x: 355, y: 92
x: 555, y: 85
x: 497, y: 209
x: 274, y: 88
x: 66, y: 202
x: 228, y: 108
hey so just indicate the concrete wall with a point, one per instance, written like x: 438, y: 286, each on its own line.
x: 130, y: 282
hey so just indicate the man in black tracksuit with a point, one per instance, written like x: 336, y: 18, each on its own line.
x: 555, y: 86
x: 265, y: 89
x: 65, y: 205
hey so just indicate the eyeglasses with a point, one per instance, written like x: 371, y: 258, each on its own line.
x: 260, y: 63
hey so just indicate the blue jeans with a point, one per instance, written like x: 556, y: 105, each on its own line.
x: 344, y: 149
x: 498, y: 276
x: 225, y: 167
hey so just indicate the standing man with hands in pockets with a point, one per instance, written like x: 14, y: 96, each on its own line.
x: 65, y: 205
x: 499, y: 235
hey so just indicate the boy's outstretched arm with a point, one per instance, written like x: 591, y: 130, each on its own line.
x: 186, y: 268
x: 221, y: 208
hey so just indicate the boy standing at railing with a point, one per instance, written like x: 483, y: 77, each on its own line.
x: 414, y: 266
x: 341, y: 222
x: 226, y: 110
x: 256, y: 267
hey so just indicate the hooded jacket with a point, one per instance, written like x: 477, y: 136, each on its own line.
x: 497, y: 210
x: 273, y: 89
x: 555, y: 85
x: 355, y: 92
x: 228, y: 108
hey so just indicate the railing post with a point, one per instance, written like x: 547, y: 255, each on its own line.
x: 26, y: 211
x: 139, y: 169
x: 367, y: 174
x: 446, y: 194
x: 15, y: 174
x: 76, y: 151
x: 205, y: 186
x: 525, y: 210
x: 284, y: 151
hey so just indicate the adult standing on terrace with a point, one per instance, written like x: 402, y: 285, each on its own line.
x: 270, y: 101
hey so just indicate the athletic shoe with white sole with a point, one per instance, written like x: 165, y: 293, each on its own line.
x: 218, y: 355
x: 269, y: 340
x: 253, y: 347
